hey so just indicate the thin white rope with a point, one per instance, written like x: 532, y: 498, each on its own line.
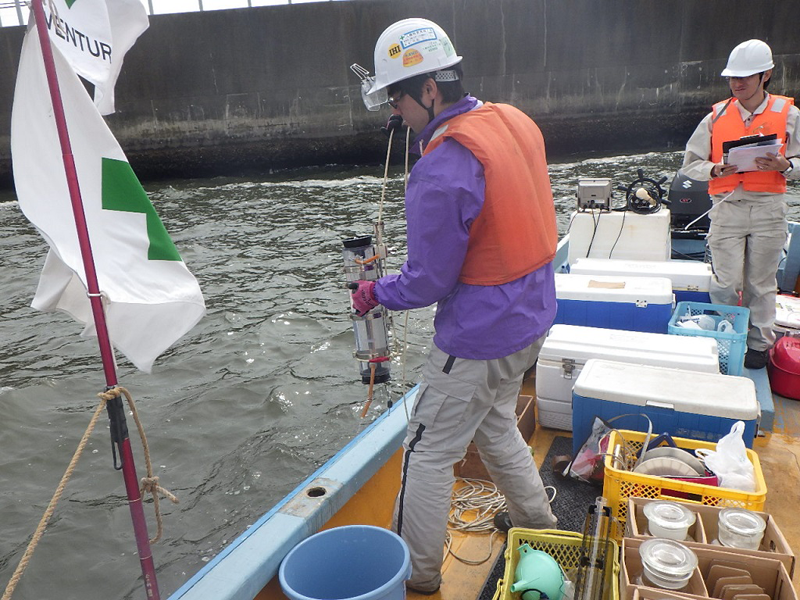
x: 385, y: 177
x: 473, y: 506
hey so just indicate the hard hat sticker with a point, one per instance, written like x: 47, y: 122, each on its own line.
x: 411, y: 58
x: 417, y: 36
x: 395, y: 50
x: 448, y: 47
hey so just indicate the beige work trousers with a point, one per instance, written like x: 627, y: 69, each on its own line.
x: 746, y: 239
x: 460, y: 401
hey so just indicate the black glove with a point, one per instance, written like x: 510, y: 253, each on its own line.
x: 394, y: 123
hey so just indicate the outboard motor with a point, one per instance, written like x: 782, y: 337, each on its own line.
x: 689, y: 199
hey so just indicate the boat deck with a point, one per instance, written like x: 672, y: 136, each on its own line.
x: 778, y: 451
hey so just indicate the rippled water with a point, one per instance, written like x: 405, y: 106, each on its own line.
x: 237, y: 413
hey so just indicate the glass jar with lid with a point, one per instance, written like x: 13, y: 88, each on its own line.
x: 740, y: 528
x: 666, y: 564
x: 667, y: 519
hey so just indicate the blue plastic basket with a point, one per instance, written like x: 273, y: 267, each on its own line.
x: 731, y: 344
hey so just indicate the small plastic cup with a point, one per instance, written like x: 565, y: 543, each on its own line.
x: 740, y: 528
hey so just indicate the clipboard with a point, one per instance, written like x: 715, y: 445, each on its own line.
x: 744, y: 151
x: 760, y: 140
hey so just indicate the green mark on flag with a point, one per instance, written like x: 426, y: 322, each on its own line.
x: 123, y: 192
x: 70, y: 3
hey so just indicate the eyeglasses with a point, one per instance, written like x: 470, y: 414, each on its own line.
x: 745, y: 78
x: 395, y: 97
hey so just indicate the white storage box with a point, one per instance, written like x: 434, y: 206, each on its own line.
x: 690, y: 279
x: 787, y: 314
x: 614, y: 302
x: 624, y: 235
x: 567, y: 348
x: 683, y: 403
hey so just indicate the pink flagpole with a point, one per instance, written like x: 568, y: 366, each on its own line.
x: 116, y: 411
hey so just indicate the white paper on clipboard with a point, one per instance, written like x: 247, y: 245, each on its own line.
x: 744, y: 157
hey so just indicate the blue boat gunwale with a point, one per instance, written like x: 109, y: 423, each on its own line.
x: 341, y: 477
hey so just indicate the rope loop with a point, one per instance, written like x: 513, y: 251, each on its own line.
x: 149, y: 482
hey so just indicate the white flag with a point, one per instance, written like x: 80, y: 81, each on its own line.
x: 151, y: 297
x: 94, y: 35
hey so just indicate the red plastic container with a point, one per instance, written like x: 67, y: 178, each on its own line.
x: 784, y: 367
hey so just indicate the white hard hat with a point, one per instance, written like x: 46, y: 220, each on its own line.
x: 749, y: 58
x: 411, y: 47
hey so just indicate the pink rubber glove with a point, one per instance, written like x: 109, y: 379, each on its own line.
x: 363, y: 296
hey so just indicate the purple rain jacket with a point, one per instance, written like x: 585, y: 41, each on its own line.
x: 445, y: 194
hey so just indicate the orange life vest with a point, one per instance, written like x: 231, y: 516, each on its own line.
x: 515, y: 232
x: 730, y: 126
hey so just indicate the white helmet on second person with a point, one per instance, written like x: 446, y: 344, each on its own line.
x: 749, y: 58
x: 412, y: 47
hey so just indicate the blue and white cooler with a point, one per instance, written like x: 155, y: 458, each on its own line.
x: 567, y: 348
x: 614, y: 302
x: 687, y: 404
x: 690, y: 279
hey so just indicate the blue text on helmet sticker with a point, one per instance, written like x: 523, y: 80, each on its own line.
x: 417, y: 36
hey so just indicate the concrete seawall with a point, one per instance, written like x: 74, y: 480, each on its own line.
x: 243, y: 91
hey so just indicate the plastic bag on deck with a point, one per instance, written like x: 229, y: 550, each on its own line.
x: 587, y: 465
x: 729, y: 461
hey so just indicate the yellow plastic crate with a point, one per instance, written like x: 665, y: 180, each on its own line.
x: 564, y: 546
x: 619, y: 483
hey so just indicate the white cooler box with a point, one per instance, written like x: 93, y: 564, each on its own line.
x: 686, y: 404
x: 567, y: 348
x: 690, y: 279
x: 624, y: 235
x: 614, y: 302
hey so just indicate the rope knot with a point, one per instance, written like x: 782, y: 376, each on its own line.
x: 108, y: 395
x: 150, y: 485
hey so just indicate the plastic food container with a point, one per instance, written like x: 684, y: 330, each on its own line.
x: 669, y: 520
x: 667, y: 564
x: 740, y: 528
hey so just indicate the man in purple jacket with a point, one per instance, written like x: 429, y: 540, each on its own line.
x: 481, y: 239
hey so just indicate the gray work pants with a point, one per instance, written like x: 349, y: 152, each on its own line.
x: 460, y: 401
x: 746, y: 238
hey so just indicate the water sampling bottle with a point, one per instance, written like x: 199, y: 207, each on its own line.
x: 364, y: 261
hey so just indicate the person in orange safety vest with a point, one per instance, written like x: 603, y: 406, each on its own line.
x: 748, y: 219
x: 482, y: 236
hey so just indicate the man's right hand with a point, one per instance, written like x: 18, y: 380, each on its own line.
x: 722, y: 170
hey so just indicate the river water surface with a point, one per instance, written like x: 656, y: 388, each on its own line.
x: 242, y: 409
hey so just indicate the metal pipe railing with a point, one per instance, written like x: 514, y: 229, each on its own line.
x: 21, y: 9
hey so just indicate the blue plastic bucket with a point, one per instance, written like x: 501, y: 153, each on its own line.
x: 354, y: 562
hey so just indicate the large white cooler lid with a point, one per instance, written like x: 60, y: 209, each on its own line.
x: 689, y: 275
x: 614, y: 288
x: 707, y: 394
x: 581, y: 343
